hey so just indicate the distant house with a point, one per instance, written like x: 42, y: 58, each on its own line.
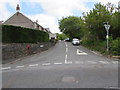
x: 18, y: 19
x: 51, y: 35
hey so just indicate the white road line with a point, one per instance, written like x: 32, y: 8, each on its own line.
x: 45, y: 64
x: 66, y: 49
x: 66, y: 45
x: 115, y: 62
x: 104, y: 62
x: 58, y: 63
x: 79, y: 52
x: 91, y: 62
x: 19, y: 66
x: 5, y: 68
x: 32, y: 65
x: 68, y: 62
x: 79, y: 62
x: 66, y: 58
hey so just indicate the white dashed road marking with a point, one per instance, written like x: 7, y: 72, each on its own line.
x: 19, y: 66
x: 32, y: 65
x: 104, y: 62
x: 79, y: 62
x: 91, y: 62
x: 66, y: 45
x: 57, y: 63
x: 66, y: 58
x: 68, y: 62
x: 66, y: 49
x: 45, y: 64
x: 6, y: 68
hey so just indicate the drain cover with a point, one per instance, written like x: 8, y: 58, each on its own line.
x: 68, y: 79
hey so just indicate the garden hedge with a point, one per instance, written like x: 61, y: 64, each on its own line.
x: 16, y: 34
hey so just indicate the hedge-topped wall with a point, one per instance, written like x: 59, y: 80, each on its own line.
x: 16, y: 34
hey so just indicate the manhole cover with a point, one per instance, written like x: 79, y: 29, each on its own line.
x: 68, y: 79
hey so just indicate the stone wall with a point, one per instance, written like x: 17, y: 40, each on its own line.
x: 17, y: 50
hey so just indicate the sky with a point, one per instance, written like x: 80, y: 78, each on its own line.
x: 48, y: 12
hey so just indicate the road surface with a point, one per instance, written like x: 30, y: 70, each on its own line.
x: 62, y: 66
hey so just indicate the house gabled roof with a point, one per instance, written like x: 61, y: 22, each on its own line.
x: 17, y: 14
x: 39, y: 25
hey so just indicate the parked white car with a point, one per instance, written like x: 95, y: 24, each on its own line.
x: 75, y: 41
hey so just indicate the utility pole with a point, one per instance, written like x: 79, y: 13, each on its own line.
x: 107, y: 27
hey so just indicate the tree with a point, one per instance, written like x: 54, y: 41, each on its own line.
x: 115, y: 25
x: 61, y: 36
x: 71, y: 26
x: 110, y: 7
x: 94, y: 21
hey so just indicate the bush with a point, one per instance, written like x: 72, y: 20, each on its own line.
x: 115, y: 47
x: 99, y: 45
x: 16, y: 34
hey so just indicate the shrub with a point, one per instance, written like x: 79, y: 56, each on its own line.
x: 115, y: 47
x: 99, y: 45
x: 16, y: 34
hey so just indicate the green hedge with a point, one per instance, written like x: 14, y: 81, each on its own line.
x: 16, y: 34
x: 100, y: 46
x: 115, y: 47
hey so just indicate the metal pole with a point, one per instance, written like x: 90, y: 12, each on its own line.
x: 107, y: 27
x: 107, y: 40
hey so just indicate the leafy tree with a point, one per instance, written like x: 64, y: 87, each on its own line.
x: 115, y: 25
x: 110, y: 7
x: 61, y: 36
x: 94, y: 21
x: 71, y: 26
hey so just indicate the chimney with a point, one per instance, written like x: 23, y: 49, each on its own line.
x: 36, y: 21
x: 17, y: 8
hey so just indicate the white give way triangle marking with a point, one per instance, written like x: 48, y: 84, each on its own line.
x: 79, y: 52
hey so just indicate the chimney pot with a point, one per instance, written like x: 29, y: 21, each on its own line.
x: 17, y: 8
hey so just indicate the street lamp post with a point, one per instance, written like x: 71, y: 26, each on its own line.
x: 107, y: 27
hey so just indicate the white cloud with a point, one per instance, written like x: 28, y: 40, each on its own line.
x: 54, y: 10
x: 46, y: 21
x: 4, y: 12
x: 60, y: 8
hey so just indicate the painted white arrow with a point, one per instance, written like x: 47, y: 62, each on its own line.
x: 79, y: 52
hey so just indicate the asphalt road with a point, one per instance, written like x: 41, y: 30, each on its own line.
x: 62, y: 66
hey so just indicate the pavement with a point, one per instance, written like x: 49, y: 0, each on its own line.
x: 62, y: 66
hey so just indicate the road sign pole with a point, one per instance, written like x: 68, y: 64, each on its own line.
x: 107, y: 42
x: 107, y: 27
